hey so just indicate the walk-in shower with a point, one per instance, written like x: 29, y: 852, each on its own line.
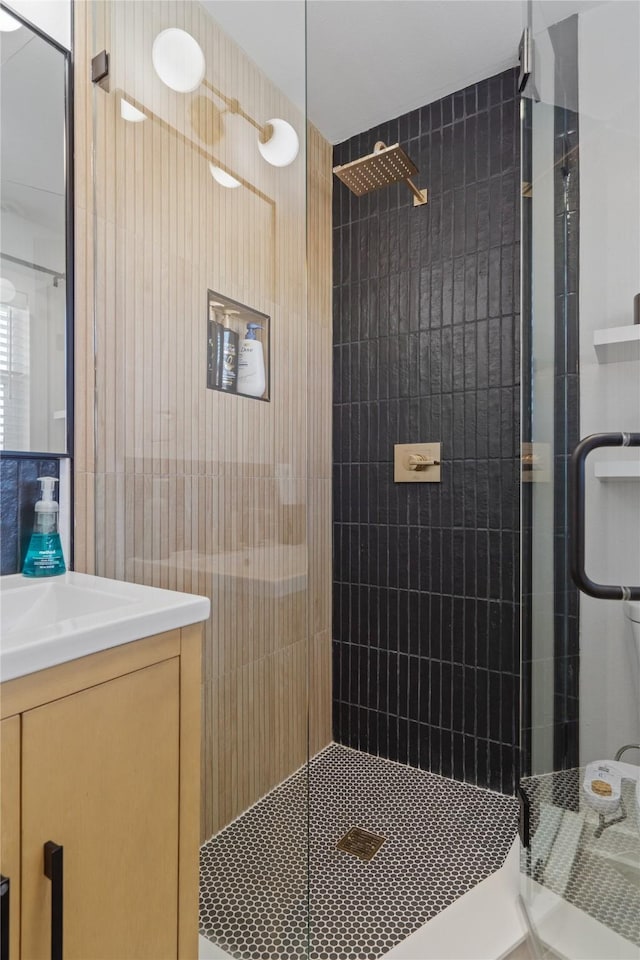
x: 385, y: 661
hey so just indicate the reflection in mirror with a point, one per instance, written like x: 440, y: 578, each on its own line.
x: 34, y: 283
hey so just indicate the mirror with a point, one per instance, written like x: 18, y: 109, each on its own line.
x: 36, y: 288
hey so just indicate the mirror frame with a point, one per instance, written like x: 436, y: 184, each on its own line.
x: 69, y: 207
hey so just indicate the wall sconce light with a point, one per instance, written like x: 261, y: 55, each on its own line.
x: 277, y: 140
x: 8, y: 23
x: 222, y: 177
x: 178, y: 60
x: 130, y: 113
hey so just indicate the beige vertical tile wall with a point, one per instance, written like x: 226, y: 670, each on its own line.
x: 84, y: 386
x: 319, y: 447
x: 183, y: 487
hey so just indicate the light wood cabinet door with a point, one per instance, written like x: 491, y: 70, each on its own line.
x: 10, y: 823
x: 100, y: 776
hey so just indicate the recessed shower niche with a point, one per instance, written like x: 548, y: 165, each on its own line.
x: 238, y: 355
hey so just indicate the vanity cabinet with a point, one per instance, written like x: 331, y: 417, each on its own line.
x: 10, y: 836
x: 101, y: 757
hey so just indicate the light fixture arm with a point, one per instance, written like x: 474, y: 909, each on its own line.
x: 265, y: 131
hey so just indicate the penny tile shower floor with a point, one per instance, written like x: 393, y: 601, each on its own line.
x: 598, y: 874
x: 442, y: 838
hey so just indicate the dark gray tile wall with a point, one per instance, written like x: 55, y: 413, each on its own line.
x: 526, y: 490
x: 566, y: 436
x: 564, y: 665
x: 19, y: 490
x: 426, y: 348
x: 564, y: 38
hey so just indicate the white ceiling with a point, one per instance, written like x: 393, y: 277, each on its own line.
x: 32, y: 91
x: 272, y: 33
x: 371, y: 60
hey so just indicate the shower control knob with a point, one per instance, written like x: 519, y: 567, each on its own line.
x: 418, y: 462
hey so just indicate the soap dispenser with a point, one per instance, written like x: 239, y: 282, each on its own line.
x: 251, y: 373
x: 44, y: 556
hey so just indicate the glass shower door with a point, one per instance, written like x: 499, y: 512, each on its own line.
x: 580, y: 842
x: 201, y: 425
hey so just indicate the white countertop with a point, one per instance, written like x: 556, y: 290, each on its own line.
x: 44, y: 622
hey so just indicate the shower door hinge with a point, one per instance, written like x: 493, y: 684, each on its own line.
x: 100, y: 69
x: 525, y: 59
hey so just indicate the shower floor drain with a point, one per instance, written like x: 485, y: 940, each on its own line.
x: 361, y: 843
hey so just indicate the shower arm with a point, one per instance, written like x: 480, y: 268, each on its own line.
x: 418, y: 194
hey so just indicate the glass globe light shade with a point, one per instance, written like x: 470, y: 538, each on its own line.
x: 178, y: 60
x: 222, y: 177
x: 282, y: 147
x: 130, y: 113
x: 7, y: 290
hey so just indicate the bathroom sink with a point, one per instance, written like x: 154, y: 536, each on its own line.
x: 43, y: 604
x: 46, y: 622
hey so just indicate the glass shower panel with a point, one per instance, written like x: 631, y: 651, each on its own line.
x: 201, y: 472
x: 580, y: 863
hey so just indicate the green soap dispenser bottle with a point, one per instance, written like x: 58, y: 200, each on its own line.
x: 44, y: 556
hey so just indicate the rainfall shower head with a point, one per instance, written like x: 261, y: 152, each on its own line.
x: 386, y: 165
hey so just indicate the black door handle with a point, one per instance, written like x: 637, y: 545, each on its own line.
x: 53, y: 870
x: 4, y: 917
x: 579, y: 576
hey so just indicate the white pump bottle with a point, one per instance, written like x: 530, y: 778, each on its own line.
x: 251, y: 371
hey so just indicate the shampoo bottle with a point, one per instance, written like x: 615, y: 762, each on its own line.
x: 251, y: 374
x: 215, y: 348
x: 44, y: 556
x: 229, y: 379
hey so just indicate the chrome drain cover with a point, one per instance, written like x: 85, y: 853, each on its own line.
x: 361, y: 843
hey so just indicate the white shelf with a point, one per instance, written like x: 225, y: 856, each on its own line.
x: 618, y: 470
x: 617, y: 343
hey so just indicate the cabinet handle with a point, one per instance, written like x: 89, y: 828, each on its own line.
x: 4, y: 917
x: 53, y: 871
